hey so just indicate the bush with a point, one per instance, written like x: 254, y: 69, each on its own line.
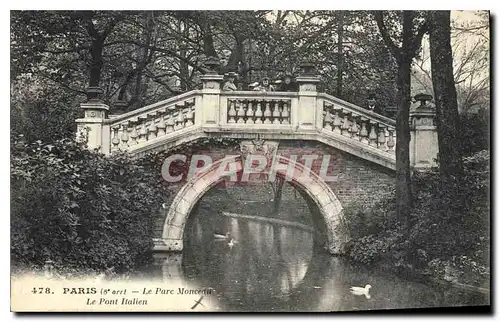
x: 80, y: 209
x: 438, y: 232
x: 474, y: 132
x: 371, y: 219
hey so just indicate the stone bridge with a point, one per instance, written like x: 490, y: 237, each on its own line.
x: 360, y: 146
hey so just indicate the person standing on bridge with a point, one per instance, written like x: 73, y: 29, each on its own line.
x: 265, y: 86
x: 287, y: 84
x: 372, y: 104
x: 229, y: 84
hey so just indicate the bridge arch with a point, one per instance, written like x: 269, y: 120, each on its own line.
x: 327, y: 204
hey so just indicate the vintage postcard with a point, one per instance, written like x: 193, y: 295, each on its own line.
x: 249, y: 161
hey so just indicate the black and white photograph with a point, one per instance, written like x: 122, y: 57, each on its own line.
x: 250, y: 161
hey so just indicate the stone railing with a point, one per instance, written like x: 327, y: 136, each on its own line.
x: 135, y: 129
x: 254, y: 108
x: 302, y: 115
x: 358, y: 124
x: 258, y: 110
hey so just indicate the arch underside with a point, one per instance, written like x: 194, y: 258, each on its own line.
x: 319, y: 195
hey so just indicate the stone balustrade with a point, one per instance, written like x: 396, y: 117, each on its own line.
x: 258, y: 110
x: 138, y: 128
x: 128, y: 131
x: 302, y: 115
x: 361, y: 125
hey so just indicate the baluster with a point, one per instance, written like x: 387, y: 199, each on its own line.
x: 231, y: 113
x: 328, y: 120
x: 381, y: 137
x: 355, y: 127
x: 258, y: 114
x: 115, y: 141
x: 152, y: 129
x: 241, y: 112
x: 170, y: 124
x: 179, y: 121
x: 391, y: 140
x: 346, y: 124
x: 337, y: 121
x: 363, y: 134
x: 267, y: 113
x: 134, y: 135
x: 276, y: 112
x: 373, y: 134
x: 143, y: 132
x: 161, y: 126
x: 190, y: 116
x: 124, y: 138
x: 285, y: 114
x: 250, y: 113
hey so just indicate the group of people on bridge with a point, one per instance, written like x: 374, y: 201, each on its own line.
x: 285, y: 84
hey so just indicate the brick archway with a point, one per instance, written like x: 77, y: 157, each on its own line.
x: 328, y: 205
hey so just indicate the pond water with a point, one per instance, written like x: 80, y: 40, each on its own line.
x: 275, y: 267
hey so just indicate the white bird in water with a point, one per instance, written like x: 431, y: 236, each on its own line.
x: 356, y: 290
x: 231, y: 243
x: 219, y: 236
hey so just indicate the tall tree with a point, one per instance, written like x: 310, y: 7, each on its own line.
x: 410, y: 39
x: 340, y: 52
x: 445, y: 95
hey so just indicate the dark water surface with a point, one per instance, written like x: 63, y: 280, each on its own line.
x: 276, y: 268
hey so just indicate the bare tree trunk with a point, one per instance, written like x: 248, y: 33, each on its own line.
x: 97, y: 62
x: 208, y: 40
x: 236, y: 54
x: 411, y: 39
x: 97, y: 48
x: 446, y: 95
x: 403, y: 174
x: 143, y: 60
x: 340, y: 53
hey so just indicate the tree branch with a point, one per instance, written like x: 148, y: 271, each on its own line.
x: 161, y: 50
x: 417, y: 41
x: 395, y: 50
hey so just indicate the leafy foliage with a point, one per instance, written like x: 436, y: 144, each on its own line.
x: 79, y: 208
x: 145, y: 57
x: 440, y: 234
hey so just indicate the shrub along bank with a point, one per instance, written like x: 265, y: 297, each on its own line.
x: 79, y: 209
x: 448, y: 237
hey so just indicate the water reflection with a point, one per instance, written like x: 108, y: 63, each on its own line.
x: 276, y: 268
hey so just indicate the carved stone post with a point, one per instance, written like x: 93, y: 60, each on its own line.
x: 310, y: 114
x: 210, y: 112
x: 92, y: 129
x: 424, y: 140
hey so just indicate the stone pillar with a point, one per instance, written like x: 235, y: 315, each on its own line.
x: 424, y: 140
x: 210, y: 112
x: 308, y: 111
x: 91, y: 129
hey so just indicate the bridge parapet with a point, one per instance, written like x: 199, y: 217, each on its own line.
x: 302, y: 115
x: 360, y: 125
x: 138, y: 128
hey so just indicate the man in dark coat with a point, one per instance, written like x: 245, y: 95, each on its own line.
x: 372, y: 104
x: 287, y: 84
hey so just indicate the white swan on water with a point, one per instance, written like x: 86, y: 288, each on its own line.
x: 231, y: 243
x: 219, y: 236
x: 356, y: 290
